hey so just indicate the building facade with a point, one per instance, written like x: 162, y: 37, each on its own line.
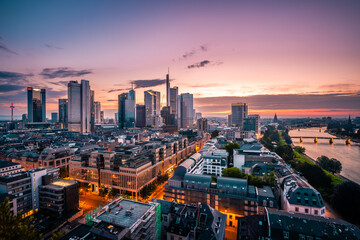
x: 186, y: 110
x: 36, y: 104
x: 63, y: 112
x: 140, y: 116
x: 152, y: 108
x: 239, y: 111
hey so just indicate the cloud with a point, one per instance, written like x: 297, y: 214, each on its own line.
x: 60, y: 83
x: 112, y: 100
x: 199, y: 64
x: 62, y: 72
x: 52, y: 46
x: 141, y: 84
x: 281, y: 102
x: 9, y: 88
x: 202, y: 48
x: 14, y: 76
x: 3, y: 47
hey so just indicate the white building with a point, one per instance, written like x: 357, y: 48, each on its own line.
x: 7, y: 168
x: 214, y: 162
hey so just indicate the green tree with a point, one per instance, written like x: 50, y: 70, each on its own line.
x: 332, y: 165
x: 233, y: 172
x: 300, y: 150
x: 14, y: 227
x: 346, y: 201
x: 230, y: 148
x: 215, y: 133
x: 285, y: 152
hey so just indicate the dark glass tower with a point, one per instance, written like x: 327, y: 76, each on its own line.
x: 36, y: 105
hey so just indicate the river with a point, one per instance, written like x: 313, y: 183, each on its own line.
x: 348, y: 155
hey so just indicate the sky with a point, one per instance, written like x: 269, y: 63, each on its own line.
x: 293, y: 58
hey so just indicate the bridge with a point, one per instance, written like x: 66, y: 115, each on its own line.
x: 331, y: 139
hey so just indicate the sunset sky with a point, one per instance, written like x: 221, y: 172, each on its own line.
x: 295, y: 58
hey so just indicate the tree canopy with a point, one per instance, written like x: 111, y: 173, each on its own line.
x: 14, y: 227
x: 233, y: 172
x: 215, y: 133
x: 332, y: 165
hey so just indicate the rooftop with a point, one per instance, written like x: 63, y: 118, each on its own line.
x: 4, y: 164
x: 124, y: 213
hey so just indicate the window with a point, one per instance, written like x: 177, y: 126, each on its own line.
x: 306, y: 210
x: 296, y: 209
x: 301, y: 237
x: 316, y: 212
x: 286, y: 235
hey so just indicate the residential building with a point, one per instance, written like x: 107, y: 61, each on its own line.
x: 190, y: 221
x: 215, y: 162
x: 140, y: 116
x: 55, y: 157
x: 186, y: 110
x: 239, y: 111
x: 278, y: 225
x: 126, y: 109
x: 7, y: 168
x: 79, y: 106
x: 36, y: 104
x: 152, y: 108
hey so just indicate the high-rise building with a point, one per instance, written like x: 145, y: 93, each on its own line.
x: 126, y: 109
x: 79, y: 111
x: 186, y: 110
x: 140, y: 116
x: 202, y: 124
x: 253, y: 120
x: 167, y: 90
x: 54, y: 117
x: 198, y: 115
x: 36, y: 104
x: 229, y: 120
x: 152, y: 108
x: 63, y: 111
x: 101, y: 116
x: 97, y: 110
x: 12, y: 111
x: 92, y: 110
x: 173, y: 100
x: 239, y: 111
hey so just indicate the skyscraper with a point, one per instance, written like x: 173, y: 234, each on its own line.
x: 54, y: 117
x: 140, y: 116
x: 152, y: 108
x: 92, y: 110
x: 186, y: 110
x: 126, y: 109
x: 79, y: 112
x: 97, y: 110
x: 173, y: 100
x: 167, y: 90
x: 36, y: 105
x: 63, y: 111
x: 256, y: 120
x: 239, y: 111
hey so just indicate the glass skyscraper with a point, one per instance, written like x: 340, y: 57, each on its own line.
x: 36, y: 105
x: 152, y: 108
x: 63, y: 111
x: 126, y: 109
x: 239, y: 111
x: 186, y: 110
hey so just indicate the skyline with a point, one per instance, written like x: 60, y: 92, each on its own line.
x: 292, y: 58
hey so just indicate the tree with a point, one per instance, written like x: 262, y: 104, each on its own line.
x: 230, y: 148
x: 332, y: 165
x: 285, y: 152
x: 215, y: 133
x: 300, y: 150
x: 233, y: 172
x: 346, y: 201
x: 14, y: 227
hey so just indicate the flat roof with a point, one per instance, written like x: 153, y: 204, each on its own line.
x: 124, y: 213
x: 4, y: 164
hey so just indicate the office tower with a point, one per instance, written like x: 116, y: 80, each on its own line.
x: 140, y: 116
x: 54, y: 117
x: 186, y: 110
x: 12, y: 112
x: 36, y: 104
x: 24, y: 117
x: 79, y: 106
x: 173, y: 100
x: 202, y: 124
x: 229, y: 120
x: 255, y: 122
x: 97, y: 110
x: 239, y: 111
x: 167, y: 90
x: 198, y: 115
x: 101, y: 116
x: 126, y: 109
x: 63, y: 111
x: 92, y: 110
x: 116, y: 117
x: 152, y: 108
